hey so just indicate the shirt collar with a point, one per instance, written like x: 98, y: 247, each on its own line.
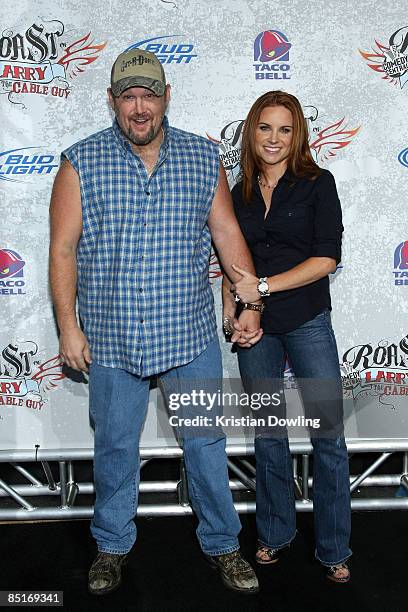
x: 287, y: 176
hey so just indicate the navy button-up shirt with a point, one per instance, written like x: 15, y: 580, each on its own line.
x: 304, y: 221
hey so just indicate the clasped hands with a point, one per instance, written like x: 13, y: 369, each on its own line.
x: 246, y: 330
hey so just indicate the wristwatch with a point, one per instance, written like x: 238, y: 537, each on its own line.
x: 258, y: 307
x: 263, y: 287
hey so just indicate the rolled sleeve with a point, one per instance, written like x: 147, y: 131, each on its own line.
x: 328, y: 226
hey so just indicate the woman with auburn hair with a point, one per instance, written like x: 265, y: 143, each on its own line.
x: 290, y: 215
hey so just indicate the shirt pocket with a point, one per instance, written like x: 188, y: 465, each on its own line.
x: 300, y: 211
x: 292, y: 221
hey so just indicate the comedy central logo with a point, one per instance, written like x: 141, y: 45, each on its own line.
x: 271, y: 55
x: 17, y: 163
x: 401, y: 264
x: 42, y: 60
x: 391, y: 61
x: 11, y: 273
x: 167, y: 49
x: 230, y: 148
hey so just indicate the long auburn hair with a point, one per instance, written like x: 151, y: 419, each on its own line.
x: 300, y: 161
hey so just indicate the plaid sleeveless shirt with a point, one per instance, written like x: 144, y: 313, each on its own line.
x: 143, y: 291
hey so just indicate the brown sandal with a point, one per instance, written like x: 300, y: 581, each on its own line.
x: 271, y: 555
x: 335, y: 571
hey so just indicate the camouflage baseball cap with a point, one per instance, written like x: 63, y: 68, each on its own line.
x: 137, y: 68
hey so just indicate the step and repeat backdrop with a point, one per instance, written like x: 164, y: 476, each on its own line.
x: 347, y: 62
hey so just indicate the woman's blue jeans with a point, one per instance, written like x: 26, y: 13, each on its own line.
x: 312, y: 352
x: 118, y: 404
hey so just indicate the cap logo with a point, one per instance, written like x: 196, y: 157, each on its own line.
x: 140, y: 59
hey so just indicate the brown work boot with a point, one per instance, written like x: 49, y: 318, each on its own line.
x: 105, y: 574
x: 236, y: 573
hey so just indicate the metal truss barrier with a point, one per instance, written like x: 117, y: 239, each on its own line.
x: 64, y: 495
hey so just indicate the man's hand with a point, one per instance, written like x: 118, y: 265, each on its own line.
x: 74, y: 349
x: 228, y: 324
x: 247, y: 329
x: 247, y: 287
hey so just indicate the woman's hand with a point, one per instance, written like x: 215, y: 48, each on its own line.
x: 246, y: 288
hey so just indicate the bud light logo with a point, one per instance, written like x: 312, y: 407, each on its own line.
x: 336, y: 272
x: 11, y: 268
x: 401, y: 264
x: 271, y: 55
x: 403, y: 157
x: 17, y: 163
x: 167, y: 49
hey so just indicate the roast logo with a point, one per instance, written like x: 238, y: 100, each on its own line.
x: 168, y: 49
x: 401, y: 264
x: 381, y: 370
x: 326, y: 141
x: 18, y: 164
x: 391, y: 61
x: 25, y: 379
x: 271, y: 55
x: 11, y: 273
x: 42, y: 60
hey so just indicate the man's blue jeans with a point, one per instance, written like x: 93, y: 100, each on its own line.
x: 312, y: 352
x: 118, y: 404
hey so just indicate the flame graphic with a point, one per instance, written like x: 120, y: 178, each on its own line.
x: 378, y: 58
x: 331, y: 139
x: 212, y: 139
x: 51, y: 370
x: 214, y: 269
x: 80, y: 54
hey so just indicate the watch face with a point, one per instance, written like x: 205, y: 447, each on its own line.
x: 263, y: 286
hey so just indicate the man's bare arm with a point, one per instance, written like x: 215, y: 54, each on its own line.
x: 230, y: 244
x: 226, y: 233
x: 66, y: 228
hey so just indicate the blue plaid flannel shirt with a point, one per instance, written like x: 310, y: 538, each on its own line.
x: 143, y: 291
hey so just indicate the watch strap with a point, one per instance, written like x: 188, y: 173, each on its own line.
x: 258, y: 307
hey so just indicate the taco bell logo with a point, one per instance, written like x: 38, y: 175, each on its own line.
x: 168, y: 49
x: 401, y: 264
x: 271, y: 55
x: 11, y: 273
